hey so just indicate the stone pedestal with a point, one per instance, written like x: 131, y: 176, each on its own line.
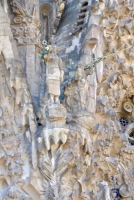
x: 56, y: 129
x: 56, y: 115
x: 55, y: 135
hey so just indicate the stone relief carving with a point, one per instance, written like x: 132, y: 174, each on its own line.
x: 5, y: 36
x: 26, y: 25
x: 54, y: 74
x: 60, y: 9
x: 80, y: 146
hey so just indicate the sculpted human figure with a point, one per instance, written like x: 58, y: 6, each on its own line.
x: 82, y: 87
x: 3, y: 130
x: 2, y: 121
x: 92, y: 50
x: 106, y: 191
x: 5, y: 35
x: 54, y: 74
x: 28, y: 117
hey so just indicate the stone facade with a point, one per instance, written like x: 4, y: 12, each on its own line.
x: 67, y: 100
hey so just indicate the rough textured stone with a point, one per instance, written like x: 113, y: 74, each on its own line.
x: 66, y: 100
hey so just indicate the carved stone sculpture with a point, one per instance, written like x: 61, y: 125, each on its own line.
x: 82, y: 88
x: 92, y: 48
x: 5, y: 37
x: 54, y: 74
x: 67, y: 103
x: 106, y: 192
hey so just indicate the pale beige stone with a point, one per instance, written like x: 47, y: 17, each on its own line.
x: 82, y: 147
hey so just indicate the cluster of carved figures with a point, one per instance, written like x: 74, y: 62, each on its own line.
x: 84, y: 146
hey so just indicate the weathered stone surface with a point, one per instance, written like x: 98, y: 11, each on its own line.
x: 66, y: 100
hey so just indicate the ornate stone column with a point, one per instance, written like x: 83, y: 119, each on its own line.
x: 26, y: 32
x: 93, y: 49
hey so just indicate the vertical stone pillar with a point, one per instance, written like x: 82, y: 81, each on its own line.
x: 26, y: 31
x: 93, y: 49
